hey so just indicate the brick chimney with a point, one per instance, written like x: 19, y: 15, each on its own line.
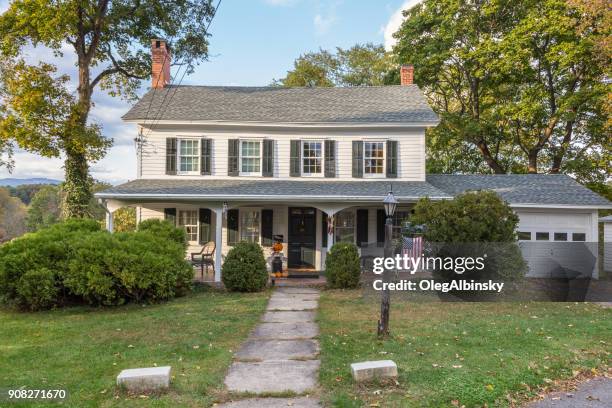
x: 161, y: 59
x: 407, y: 74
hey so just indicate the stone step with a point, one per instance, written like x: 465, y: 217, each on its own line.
x: 260, y: 350
x: 145, y: 379
x: 273, y: 376
x: 285, y: 331
x: 290, y: 289
x: 289, y: 317
x: 302, y: 402
x: 369, y: 370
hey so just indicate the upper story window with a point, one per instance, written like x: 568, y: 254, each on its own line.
x: 250, y: 157
x: 374, y: 159
x: 312, y: 158
x: 188, y: 156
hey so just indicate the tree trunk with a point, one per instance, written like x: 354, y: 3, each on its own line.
x: 560, y: 154
x: 491, y: 161
x: 532, y: 157
x: 77, y: 185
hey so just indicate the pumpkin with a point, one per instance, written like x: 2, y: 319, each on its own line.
x: 277, y: 247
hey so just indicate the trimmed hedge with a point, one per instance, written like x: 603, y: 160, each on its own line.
x: 165, y: 229
x: 77, y: 262
x: 244, y: 268
x: 342, y: 269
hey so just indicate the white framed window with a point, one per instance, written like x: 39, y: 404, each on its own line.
x: 188, y: 219
x: 250, y: 225
x: 188, y: 159
x: 374, y: 159
x: 312, y: 158
x: 250, y: 157
x: 345, y: 226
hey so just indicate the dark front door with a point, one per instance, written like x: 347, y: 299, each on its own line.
x: 302, y: 237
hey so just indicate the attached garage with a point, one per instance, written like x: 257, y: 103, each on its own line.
x: 554, y: 240
x: 558, y: 217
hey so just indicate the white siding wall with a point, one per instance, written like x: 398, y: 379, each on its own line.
x: 411, y: 151
x: 608, y: 246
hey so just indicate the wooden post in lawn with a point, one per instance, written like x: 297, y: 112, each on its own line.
x: 385, y: 303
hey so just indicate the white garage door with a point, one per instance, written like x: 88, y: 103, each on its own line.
x: 550, y: 242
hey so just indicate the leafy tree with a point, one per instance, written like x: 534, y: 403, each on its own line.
x: 12, y: 216
x: 125, y: 219
x: 45, y: 209
x: 518, y: 85
x: 362, y: 64
x: 25, y: 192
x: 110, y: 39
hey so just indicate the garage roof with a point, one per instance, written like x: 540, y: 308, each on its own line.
x: 537, y: 189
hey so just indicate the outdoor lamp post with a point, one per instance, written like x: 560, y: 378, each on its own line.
x: 390, y: 203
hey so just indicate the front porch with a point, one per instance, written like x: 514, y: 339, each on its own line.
x: 307, y: 230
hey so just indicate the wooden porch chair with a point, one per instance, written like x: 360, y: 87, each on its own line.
x: 204, y: 257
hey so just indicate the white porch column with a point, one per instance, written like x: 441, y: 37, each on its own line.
x: 218, y: 242
x: 109, y: 221
x: 330, y: 231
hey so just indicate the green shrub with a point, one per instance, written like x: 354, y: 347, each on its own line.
x: 78, y: 262
x: 37, y: 289
x: 163, y: 228
x: 244, y: 268
x: 342, y: 269
x: 471, y: 225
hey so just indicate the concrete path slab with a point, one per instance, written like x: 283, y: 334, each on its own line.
x: 291, y: 304
x: 302, y: 402
x: 289, y: 289
x: 295, y: 296
x: 289, y: 317
x: 286, y: 331
x: 594, y: 393
x: 260, y: 350
x: 273, y: 376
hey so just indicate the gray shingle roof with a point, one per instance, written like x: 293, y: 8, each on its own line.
x: 552, y: 189
x: 273, y: 189
x: 538, y: 189
x: 394, y: 104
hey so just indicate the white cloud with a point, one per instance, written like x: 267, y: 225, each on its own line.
x: 395, y: 21
x: 4, y: 5
x: 323, y: 24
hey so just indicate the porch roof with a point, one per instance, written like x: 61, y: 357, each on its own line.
x: 271, y: 190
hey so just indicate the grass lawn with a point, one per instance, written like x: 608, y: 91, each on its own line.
x: 83, y: 349
x: 453, y: 354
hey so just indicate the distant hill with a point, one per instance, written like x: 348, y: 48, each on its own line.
x: 14, y: 182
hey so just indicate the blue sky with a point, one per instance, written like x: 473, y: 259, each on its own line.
x: 252, y: 43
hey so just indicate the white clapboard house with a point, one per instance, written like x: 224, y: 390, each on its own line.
x: 234, y: 163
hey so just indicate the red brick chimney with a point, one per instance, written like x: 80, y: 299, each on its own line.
x: 161, y: 59
x: 407, y: 75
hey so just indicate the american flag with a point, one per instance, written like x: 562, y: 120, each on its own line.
x: 413, y: 247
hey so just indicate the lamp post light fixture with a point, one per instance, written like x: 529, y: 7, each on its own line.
x: 390, y: 203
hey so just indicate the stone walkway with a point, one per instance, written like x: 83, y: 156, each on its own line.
x: 593, y: 393
x: 281, y: 356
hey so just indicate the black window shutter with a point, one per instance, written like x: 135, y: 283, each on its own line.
x: 267, y: 169
x: 362, y: 227
x: 171, y: 155
x: 205, y: 230
x: 357, y: 158
x: 295, y: 159
x: 170, y: 215
x: 330, y: 158
x: 267, y: 224
x: 391, y: 158
x: 232, y: 227
x: 205, y: 156
x: 323, y: 229
x: 232, y: 157
x: 380, y: 226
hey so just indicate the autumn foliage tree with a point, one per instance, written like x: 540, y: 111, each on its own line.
x: 110, y: 41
